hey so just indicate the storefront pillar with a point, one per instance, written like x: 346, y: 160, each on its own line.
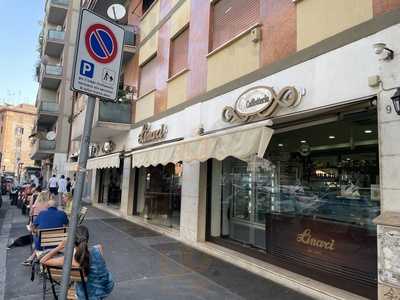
x: 128, y: 185
x: 94, y: 191
x: 389, y: 220
x: 193, y: 203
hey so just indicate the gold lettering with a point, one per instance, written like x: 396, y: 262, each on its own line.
x: 306, y: 238
x: 146, y: 135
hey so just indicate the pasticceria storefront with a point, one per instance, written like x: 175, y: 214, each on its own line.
x: 285, y: 169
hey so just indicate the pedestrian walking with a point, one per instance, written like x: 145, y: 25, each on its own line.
x: 69, y: 185
x: 53, y: 185
x: 62, y: 188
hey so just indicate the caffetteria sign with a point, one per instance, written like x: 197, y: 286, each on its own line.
x: 261, y: 102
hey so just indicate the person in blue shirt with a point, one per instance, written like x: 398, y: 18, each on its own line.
x: 50, y: 218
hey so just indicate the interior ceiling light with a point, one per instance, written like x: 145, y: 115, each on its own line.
x: 280, y: 145
x: 303, y: 141
x: 332, y: 137
x: 368, y: 131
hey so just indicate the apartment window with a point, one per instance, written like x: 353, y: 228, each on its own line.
x: 19, y: 130
x: 146, y: 5
x: 231, y: 17
x: 179, y: 53
x: 147, y: 81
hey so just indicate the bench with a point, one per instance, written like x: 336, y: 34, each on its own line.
x: 54, y: 275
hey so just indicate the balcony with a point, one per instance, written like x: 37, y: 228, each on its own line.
x: 42, y: 149
x: 110, y: 119
x: 130, y: 42
x: 54, y: 43
x: 57, y: 11
x: 51, y: 76
x: 48, y: 113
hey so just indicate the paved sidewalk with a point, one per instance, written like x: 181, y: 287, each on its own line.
x: 145, y: 265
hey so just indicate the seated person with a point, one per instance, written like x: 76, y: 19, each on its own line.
x: 99, y: 282
x: 67, y: 202
x: 40, y: 205
x: 49, y: 218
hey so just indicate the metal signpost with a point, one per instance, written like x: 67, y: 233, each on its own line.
x: 97, y: 65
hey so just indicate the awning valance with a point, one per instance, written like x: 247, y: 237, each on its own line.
x: 104, y: 162
x: 240, y: 142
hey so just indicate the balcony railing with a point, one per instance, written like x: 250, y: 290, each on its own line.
x: 49, y: 107
x: 45, y: 145
x: 115, y: 112
x: 53, y: 70
x: 130, y: 35
x: 59, y: 2
x: 56, y: 35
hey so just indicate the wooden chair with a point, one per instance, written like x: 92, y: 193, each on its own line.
x: 48, y: 238
x: 54, y: 275
x: 51, y: 238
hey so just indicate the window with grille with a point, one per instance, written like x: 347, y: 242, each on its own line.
x: 179, y: 53
x: 147, y: 81
x: 19, y: 131
x: 231, y: 17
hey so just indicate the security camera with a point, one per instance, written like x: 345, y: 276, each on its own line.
x: 380, y: 48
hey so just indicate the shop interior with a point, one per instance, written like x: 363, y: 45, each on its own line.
x: 159, y: 194
x: 311, y: 200
x: 110, y: 186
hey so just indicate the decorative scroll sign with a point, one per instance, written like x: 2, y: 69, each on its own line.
x: 261, y: 102
x: 147, y: 135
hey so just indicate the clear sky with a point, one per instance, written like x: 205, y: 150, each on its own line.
x: 19, y: 30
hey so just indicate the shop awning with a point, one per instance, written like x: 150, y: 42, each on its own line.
x: 240, y: 142
x: 104, y: 162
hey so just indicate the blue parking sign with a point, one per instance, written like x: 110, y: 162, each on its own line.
x: 87, y: 69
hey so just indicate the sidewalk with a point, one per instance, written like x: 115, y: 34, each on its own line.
x: 145, y: 265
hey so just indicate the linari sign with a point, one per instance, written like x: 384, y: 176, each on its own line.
x: 261, y: 102
x: 98, y: 57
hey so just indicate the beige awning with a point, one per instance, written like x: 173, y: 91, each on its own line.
x: 240, y: 142
x: 104, y: 162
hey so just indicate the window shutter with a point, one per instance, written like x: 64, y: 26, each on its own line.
x: 231, y: 17
x: 179, y: 53
x: 148, y: 77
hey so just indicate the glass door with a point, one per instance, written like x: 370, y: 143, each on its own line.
x: 252, y: 184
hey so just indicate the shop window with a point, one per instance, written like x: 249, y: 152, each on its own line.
x: 110, y: 186
x: 147, y: 82
x: 310, y: 202
x: 146, y: 5
x: 231, y: 17
x: 179, y: 53
x: 159, y: 194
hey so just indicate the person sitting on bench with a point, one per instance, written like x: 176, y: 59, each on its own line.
x: 99, y: 283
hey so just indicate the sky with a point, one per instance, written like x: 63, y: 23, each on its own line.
x: 19, y: 30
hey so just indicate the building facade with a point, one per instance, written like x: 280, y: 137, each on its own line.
x: 16, y: 125
x: 262, y: 132
x: 54, y: 98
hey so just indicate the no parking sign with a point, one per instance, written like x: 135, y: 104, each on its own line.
x: 98, y: 57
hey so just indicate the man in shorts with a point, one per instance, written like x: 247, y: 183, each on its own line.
x: 53, y: 185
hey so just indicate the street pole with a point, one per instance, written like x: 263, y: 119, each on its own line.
x: 83, y: 157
